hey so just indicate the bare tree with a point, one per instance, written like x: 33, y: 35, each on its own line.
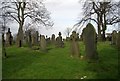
x: 3, y: 27
x: 67, y: 31
x: 105, y: 13
x: 31, y: 10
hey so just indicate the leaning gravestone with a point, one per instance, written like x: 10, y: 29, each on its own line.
x: 74, y: 45
x: 89, y: 37
x: 9, y: 38
x: 114, y: 37
x: 43, y: 43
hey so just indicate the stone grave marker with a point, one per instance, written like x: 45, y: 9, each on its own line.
x: 114, y: 37
x: 43, y: 43
x: 59, y: 41
x: 9, y: 38
x: 89, y: 37
x: 74, y: 47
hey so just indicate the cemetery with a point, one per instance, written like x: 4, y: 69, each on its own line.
x: 92, y: 53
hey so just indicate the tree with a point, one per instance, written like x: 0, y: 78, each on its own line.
x: 30, y: 10
x: 3, y: 24
x: 105, y: 13
x: 67, y: 31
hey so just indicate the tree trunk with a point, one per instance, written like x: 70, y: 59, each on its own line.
x: 99, y: 28
x: 20, y: 36
x: 104, y: 26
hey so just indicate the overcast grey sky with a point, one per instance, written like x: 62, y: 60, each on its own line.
x: 64, y: 13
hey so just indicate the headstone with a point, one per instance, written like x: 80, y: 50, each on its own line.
x: 114, y: 37
x: 53, y: 39
x: 89, y: 37
x: 43, y: 43
x: 29, y: 39
x: 67, y: 38
x: 48, y: 40
x: 9, y: 38
x: 26, y: 37
x: 35, y: 36
x: 75, y: 51
x: 118, y: 41
x: 59, y: 41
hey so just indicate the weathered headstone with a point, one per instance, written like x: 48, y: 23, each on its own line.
x: 20, y: 37
x: 29, y: 39
x: 89, y: 37
x: 67, y: 38
x: 43, y: 43
x: 9, y: 38
x: 35, y: 36
x: 75, y: 51
x: 48, y: 40
x: 59, y: 41
x: 114, y: 37
x: 118, y: 41
x: 53, y: 39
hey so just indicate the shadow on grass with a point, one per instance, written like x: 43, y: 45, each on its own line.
x: 107, y: 67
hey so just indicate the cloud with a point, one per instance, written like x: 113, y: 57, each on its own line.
x: 64, y: 13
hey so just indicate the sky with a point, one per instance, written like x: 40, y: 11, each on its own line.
x: 64, y: 13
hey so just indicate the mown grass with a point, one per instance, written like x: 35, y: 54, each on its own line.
x: 25, y: 63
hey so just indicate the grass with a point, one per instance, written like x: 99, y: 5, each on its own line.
x: 25, y: 63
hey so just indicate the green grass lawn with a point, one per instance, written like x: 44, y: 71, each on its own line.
x: 25, y: 63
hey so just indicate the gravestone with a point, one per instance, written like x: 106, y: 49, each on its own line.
x: 59, y: 41
x: 89, y: 38
x: 26, y: 36
x: 43, y: 43
x: 74, y: 47
x: 48, y: 40
x: 35, y: 36
x: 114, y: 37
x: 29, y: 39
x: 118, y: 41
x: 9, y: 38
x: 53, y: 39
x: 67, y: 38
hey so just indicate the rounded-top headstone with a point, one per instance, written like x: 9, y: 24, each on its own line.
x: 90, y: 42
